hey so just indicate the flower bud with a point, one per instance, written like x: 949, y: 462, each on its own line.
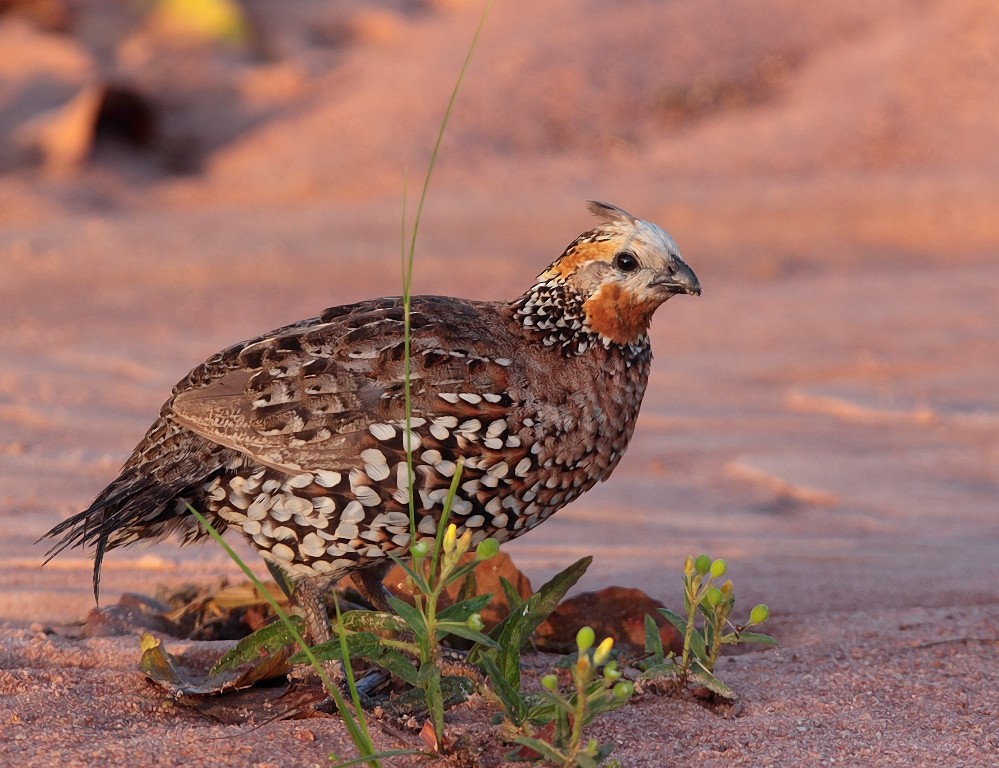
x: 759, y: 614
x: 702, y: 564
x: 450, y: 536
x: 611, y: 672
x: 420, y: 549
x: 487, y: 548
x: 550, y: 682
x: 713, y: 597
x: 585, y: 638
x: 623, y: 689
x: 474, y: 622
x: 718, y: 568
x: 463, y: 543
x: 603, y: 651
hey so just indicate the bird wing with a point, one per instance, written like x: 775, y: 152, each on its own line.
x: 307, y: 396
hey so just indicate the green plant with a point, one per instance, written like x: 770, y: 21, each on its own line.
x: 354, y: 720
x: 596, y: 687
x: 430, y: 573
x: 706, y: 595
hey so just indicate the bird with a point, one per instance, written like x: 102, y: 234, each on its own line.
x: 299, y: 438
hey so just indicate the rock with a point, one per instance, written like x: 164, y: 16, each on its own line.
x: 617, y: 612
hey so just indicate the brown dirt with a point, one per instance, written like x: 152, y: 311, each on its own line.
x: 825, y: 417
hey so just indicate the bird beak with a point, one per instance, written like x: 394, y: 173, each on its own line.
x: 683, y: 280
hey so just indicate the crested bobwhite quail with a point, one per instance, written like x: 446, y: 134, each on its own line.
x: 298, y: 437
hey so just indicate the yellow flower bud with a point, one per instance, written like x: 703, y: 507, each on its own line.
x: 449, y: 537
x: 603, y: 651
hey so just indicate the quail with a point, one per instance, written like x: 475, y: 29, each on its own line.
x: 299, y: 438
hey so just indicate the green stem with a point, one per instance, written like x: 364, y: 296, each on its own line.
x: 578, y: 716
x: 692, y: 589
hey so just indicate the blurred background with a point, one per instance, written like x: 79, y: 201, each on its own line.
x: 176, y: 175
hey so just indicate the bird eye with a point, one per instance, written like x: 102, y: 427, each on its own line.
x: 626, y: 261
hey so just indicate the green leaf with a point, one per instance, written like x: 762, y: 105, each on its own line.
x: 754, y: 637
x: 394, y: 662
x: 461, y: 611
x: 445, y: 628
x: 653, y: 640
x: 513, y: 597
x: 601, y: 701
x: 413, y: 618
x: 583, y: 760
x: 362, y: 645
x: 367, y: 646
x: 698, y: 647
x: 430, y: 681
x: 516, y: 628
x: 372, y: 621
x: 513, y: 704
x: 668, y: 671
x: 675, y: 619
x: 700, y: 675
x: 266, y: 640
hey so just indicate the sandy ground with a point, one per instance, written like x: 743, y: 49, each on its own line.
x: 825, y: 416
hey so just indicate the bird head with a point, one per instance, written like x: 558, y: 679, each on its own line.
x: 611, y: 279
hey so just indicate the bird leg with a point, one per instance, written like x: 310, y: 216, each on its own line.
x: 309, y: 596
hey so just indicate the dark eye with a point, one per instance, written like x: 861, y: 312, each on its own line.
x: 626, y: 261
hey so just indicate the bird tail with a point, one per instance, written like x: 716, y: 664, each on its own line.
x: 132, y: 508
x: 147, y: 501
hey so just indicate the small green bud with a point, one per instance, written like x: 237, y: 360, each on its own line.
x: 550, y: 682
x: 487, y: 548
x: 420, y: 549
x: 474, y: 622
x: 623, y: 690
x: 759, y: 614
x: 592, y: 746
x: 603, y: 651
x: 702, y: 564
x: 585, y: 638
x: 611, y: 672
x: 713, y: 597
x: 718, y: 568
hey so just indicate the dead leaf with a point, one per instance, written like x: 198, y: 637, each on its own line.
x: 169, y: 673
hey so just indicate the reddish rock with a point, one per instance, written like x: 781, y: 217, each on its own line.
x: 617, y: 612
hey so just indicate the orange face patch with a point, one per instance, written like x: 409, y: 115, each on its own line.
x: 581, y: 253
x: 617, y: 314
